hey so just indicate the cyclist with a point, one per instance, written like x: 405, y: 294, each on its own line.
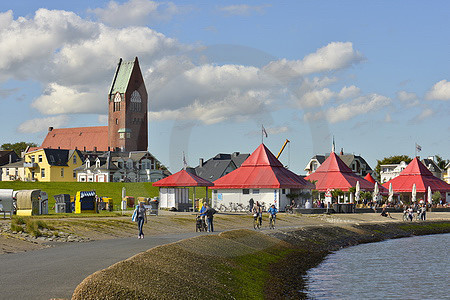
x: 272, y: 214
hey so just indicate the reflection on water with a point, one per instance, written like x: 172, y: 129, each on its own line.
x: 408, y: 268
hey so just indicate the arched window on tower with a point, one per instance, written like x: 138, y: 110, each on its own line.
x: 136, y: 101
x: 117, y: 100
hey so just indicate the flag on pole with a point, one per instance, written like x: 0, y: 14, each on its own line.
x: 418, y: 148
x: 264, y: 131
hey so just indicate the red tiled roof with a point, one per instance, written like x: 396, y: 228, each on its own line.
x: 417, y: 173
x: 182, y: 179
x: 261, y: 170
x: 78, y: 138
x: 335, y: 174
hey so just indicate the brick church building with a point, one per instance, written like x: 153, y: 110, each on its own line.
x: 127, y: 118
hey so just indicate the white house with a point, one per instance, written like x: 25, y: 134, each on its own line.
x: 136, y: 166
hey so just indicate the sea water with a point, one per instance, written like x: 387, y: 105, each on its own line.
x: 407, y: 268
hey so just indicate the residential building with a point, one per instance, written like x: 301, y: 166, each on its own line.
x: 432, y: 165
x: 219, y: 165
x: 447, y: 173
x: 13, y: 171
x: 127, y: 118
x: 134, y: 166
x: 390, y: 171
x: 52, y: 164
x: 356, y: 163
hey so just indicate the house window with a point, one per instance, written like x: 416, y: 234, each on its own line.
x: 283, y: 191
x: 128, y: 135
x: 17, y: 172
x: 62, y: 172
x: 245, y: 191
x: 40, y: 158
x: 97, y: 164
x: 74, y: 159
x: 42, y: 173
x: 255, y: 191
x: 32, y: 159
x: 74, y: 175
x: 7, y: 172
x: 117, y: 121
x: 117, y: 100
x: 122, y: 135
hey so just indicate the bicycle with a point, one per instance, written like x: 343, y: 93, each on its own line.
x: 239, y: 207
x: 272, y: 219
x: 256, y: 222
x: 222, y: 208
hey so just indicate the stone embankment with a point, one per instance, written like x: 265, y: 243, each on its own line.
x: 239, y: 264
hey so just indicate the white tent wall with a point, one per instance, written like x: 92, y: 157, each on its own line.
x: 170, y: 196
x: 266, y: 196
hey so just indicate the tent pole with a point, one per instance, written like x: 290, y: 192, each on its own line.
x: 206, y: 189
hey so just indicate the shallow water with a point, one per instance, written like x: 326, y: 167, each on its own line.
x: 407, y: 268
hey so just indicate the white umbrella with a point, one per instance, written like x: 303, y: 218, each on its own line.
x: 357, y: 191
x: 124, y: 192
x: 429, y: 196
x: 391, y: 193
x: 376, y: 191
x: 414, y: 193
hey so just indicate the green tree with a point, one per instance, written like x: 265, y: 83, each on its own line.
x: 442, y: 163
x: 17, y: 147
x: 436, y: 197
x: 391, y: 160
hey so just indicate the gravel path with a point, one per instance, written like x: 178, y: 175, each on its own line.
x: 55, y: 272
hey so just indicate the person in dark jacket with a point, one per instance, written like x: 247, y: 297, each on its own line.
x: 209, y: 217
x: 251, y: 202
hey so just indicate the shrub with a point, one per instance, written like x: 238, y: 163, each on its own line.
x: 19, y: 220
x: 15, y: 227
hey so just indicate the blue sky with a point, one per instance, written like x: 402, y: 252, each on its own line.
x: 375, y: 74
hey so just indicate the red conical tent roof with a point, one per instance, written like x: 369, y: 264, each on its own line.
x: 369, y: 177
x: 417, y: 173
x: 182, y: 179
x: 335, y: 174
x: 262, y: 170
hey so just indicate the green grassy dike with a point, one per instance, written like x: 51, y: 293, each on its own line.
x: 239, y: 264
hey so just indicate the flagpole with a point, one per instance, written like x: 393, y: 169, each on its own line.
x: 415, y: 149
x: 262, y: 134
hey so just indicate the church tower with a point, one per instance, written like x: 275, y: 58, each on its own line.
x: 127, y: 105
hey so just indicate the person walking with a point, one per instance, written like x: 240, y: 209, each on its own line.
x: 209, y: 217
x: 141, y: 217
x: 251, y: 202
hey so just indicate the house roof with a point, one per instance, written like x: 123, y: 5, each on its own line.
x: 58, y: 157
x: 417, y: 173
x: 8, y: 156
x: 81, y: 138
x: 262, y: 170
x: 431, y: 165
x: 183, y: 178
x: 335, y: 174
x: 122, y: 76
x: 215, y: 167
x: 17, y: 164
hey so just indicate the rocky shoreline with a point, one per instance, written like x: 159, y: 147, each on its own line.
x: 239, y: 264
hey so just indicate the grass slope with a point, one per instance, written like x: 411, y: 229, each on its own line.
x: 106, y: 189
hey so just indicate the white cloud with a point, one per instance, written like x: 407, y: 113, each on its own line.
x: 244, y: 9
x: 439, y: 91
x: 59, y: 99
x: 135, y: 12
x: 410, y: 99
x: 359, y: 106
x: 426, y: 113
x: 277, y: 130
x: 42, y: 124
x: 349, y: 92
x: 334, y: 56
x: 316, y: 98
